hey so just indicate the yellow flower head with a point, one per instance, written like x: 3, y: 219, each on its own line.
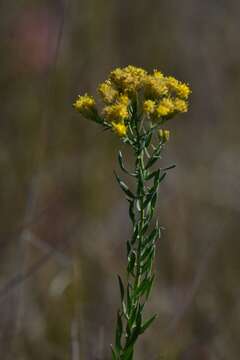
x: 180, y: 105
x: 85, y: 105
x: 165, y: 108
x: 183, y: 91
x: 119, y: 128
x: 180, y: 89
x: 123, y: 99
x: 162, y: 111
x: 84, y: 102
x: 172, y: 83
x: 149, y: 107
x: 107, y: 92
x: 155, y: 86
x: 168, y: 102
x: 117, y: 112
x: 129, y: 79
x: 164, y: 135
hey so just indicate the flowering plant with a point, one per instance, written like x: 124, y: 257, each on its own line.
x: 136, y: 105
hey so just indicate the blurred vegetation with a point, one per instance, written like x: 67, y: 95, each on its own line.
x: 63, y: 219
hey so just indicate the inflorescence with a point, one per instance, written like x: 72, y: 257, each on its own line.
x: 159, y: 98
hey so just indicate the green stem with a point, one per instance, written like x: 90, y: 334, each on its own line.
x: 141, y: 220
x: 141, y: 248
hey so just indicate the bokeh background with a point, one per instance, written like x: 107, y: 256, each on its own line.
x: 63, y: 219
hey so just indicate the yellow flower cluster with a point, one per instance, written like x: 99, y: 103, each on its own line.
x: 182, y: 90
x: 85, y: 105
x: 165, y: 107
x: 107, y: 92
x: 155, y: 85
x: 128, y: 80
x: 159, y: 97
x: 117, y: 111
x: 149, y: 107
x: 165, y: 96
x: 180, y: 105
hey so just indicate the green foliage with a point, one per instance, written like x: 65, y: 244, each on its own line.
x: 147, y: 149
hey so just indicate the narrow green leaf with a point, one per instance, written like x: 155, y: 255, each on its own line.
x: 155, y: 156
x: 148, y: 138
x: 133, y: 337
x: 157, y: 177
x: 147, y: 323
x: 150, y: 284
x: 153, y: 191
x: 151, y: 161
x: 131, y: 262
x: 149, y: 197
x: 151, y: 175
x: 121, y: 287
x: 138, y: 206
x: 131, y: 210
x: 137, y: 329
x: 133, y: 316
x: 161, y: 177
x: 153, y: 202
x: 125, y: 312
x: 139, y: 319
x: 143, y: 286
x: 148, y: 255
x: 148, y: 263
x: 120, y: 160
x: 135, y: 234
x: 129, y: 299
x: 147, y: 153
x: 119, y: 330
x: 151, y: 238
x: 169, y: 167
x: 124, y: 187
x: 146, y: 251
x: 145, y: 227
x: 150, y: 207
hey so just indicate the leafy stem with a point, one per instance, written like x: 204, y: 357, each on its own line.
x: 141, y: 247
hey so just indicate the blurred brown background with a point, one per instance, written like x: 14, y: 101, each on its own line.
x: 63, y: 219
